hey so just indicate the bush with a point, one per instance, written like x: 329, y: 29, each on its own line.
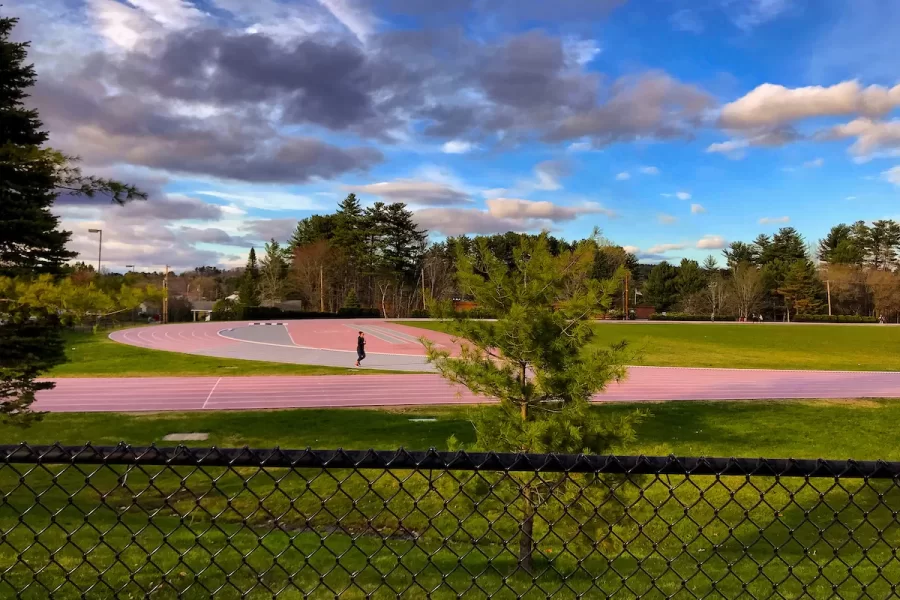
x: 225, y: 310
x: 357, y: 312
x: 833, y: 319
x: 673, y: 316
x: 419, y: 314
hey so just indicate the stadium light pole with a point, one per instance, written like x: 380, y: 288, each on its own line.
x: 99, y: 248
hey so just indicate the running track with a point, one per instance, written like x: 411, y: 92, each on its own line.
x: 395, y: 347
x: 643, y: 384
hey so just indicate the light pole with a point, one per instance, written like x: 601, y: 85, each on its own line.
x: 129, y: 267
x: 99, y: 248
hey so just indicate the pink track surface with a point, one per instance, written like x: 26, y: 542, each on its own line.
x: 643, y: 384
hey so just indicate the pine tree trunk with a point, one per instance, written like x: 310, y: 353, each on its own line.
x: 526, y: 537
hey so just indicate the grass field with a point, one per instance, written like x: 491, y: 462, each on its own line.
x: 325, y: 534
x: 95, y: 355
x: 749, y: 346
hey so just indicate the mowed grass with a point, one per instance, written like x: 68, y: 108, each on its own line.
x: 777, y: 428
x: 95, y: 355
x: 248, y: 533
x: 750, y: 346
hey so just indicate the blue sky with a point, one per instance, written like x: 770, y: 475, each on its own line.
x: 675, y: 126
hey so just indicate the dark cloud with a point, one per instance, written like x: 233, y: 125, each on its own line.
x: 142, y: 131
x: 264, y: 230
x: 653, y: 105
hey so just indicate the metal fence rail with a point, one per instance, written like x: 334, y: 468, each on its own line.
x: 124, y: 522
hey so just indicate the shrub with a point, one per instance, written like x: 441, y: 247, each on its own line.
x: 833, y: 319
x: 226, y: 310
x: 419, y: 314
x: 674, y: 316
x: 357, y: 312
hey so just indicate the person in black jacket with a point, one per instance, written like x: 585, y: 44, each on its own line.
x: 360, y: 347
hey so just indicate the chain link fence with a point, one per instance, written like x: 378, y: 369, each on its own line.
x: 124, y: 522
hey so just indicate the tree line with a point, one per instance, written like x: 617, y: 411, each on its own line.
x: 852, y: 271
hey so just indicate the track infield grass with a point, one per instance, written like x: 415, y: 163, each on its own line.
x: 749, y: 346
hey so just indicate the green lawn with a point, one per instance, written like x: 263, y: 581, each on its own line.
x: 749, y: 346
x: 783, y: 428
x: 326, y: 534
x: 95, y: 355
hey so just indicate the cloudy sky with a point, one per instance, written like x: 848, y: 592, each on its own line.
x: 673, y: 125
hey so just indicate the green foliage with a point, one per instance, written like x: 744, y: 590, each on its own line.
x: 537, y: 359
x: 801, y: 288
x: 678, y: 316
x: 272, y: 274
x: 351, y: 301
x: 30, y: 342
x: 690, y: 279
x: 226, y: 310
x: 661, y: 289
x: 802, y: 318
x: 248, y: 292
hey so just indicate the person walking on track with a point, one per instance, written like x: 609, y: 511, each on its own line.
x: 360, y: 347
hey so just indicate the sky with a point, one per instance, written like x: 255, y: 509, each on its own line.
x: 674, y: 126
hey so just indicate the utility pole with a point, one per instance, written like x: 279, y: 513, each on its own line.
x: 626, y: 295
x: 828, y: 287
x: 99, y: 248
x: 165, y: 308
x: 423, y: 289
x: 321, y: 288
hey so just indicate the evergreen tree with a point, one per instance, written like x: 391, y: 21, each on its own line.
x: 310, y: 230
x: 31, y: 242
x: 690, y: 279
x: 538, y: 360
x: 248, y: 292
x: 351, y: 301
x: 741, y: 252
x: 661, y: 289
x: 272, y: 274
x: 801, y: 289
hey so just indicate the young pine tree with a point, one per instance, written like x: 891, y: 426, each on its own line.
x: 538, y: 359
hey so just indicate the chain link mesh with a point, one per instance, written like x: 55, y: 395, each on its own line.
x: 123, y: 522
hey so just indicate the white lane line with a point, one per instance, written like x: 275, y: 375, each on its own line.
x: 211, y: 393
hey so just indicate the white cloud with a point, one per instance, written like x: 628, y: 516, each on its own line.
x: 774, y: 220
x: 663, y: 248
x: 649, y: 170
x: 683, y: 195
x: 711, y: 242
x: 580, y: 52
x: 665, y: 219
x: 265, y: 200
x: 733, y: 148
x: 623, y: 176
x: 850, y: 198
x: 697, y: 209
x: 686, y: 20
x: 748, y: 14
x: 580, y: 147
x: 457, y: 147
x: 871, y: 136
x: 411, y: 191
x: 503, y: 214
x: 771, y: 105
x: 514, y: 208
x: 892, y: 175
x: 631, y: 249
x: 814, y: 164
x: 359, y: 21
